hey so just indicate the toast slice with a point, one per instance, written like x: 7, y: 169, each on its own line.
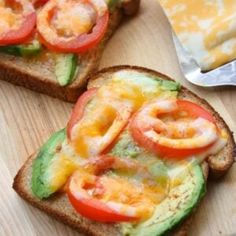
x: 37, y: 73
x: 59, y: 207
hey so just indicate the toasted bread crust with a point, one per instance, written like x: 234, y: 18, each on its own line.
x: 39, y: 75
x: 59, y: 207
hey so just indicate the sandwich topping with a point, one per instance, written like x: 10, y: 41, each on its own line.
x: 70, y: 26
x: 61, y: 29
x: 174, y: 128
x: 110, y: 194
x: 17, y: 21
x: 130, y: 147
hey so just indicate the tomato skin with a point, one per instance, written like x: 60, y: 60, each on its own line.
x: 88, y: 206
x: 21, y: 34
x: 77, y: 44
x: 118, y: 123
x: 194, y: 111
x: 102, y: 163
x: 96, y: 210
x: 78, y: 110
x: 39, y: 3
x: 164, y: 151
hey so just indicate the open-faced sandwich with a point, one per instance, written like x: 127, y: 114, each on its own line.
x: 51, y: 46
x: 133, y: 159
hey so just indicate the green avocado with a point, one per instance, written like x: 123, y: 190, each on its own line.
x: 112, y: 4
x: 170, y: 85
x: 66, y: 68
x: 125, y: 146
x: 23, y: 50
x: 39, y: 182
x: 181, y: 200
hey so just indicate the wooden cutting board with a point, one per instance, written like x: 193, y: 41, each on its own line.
x: 27, y: 119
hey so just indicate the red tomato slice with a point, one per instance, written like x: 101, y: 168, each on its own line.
x: 99, y: 128
x: 187, y: 138
x: 194, y: 110
x: 39, y: 3
x: 80, y: 192
x: 78, y: 110
x: 113, y: 198
x: 96, y: 210
x: 18, y: 33
x: 78, y: 34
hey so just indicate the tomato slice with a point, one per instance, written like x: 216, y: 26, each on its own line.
x: 39, y: 3
x: 24, y: 17
x: 194, y: 110
x: 174, y: 129
x: 84, y: 190
x: 78, y: 110
x: 105, y: 198
x: 92, y: 208
x: 72, y: 26
x: 100, y: 126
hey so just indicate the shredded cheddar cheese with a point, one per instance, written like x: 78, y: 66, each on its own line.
x: 9, y: 20
x: 206, y: 28
x: 74, y: 20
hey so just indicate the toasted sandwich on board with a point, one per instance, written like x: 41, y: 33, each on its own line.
x: 51, y: 46
x: 133, y: 159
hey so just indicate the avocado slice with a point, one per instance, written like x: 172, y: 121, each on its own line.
x: 39, y: 182
x: 170, y: 85
x: 66, y: 68
x: 125, y: 146
x: 181, y: 200
x: 23, y: 50
x: 112, y: 4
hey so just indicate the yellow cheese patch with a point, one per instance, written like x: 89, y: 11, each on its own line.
x: 74, y: 19
x: 60, y: 170
x: 143, y: 196
x: 8, y: 19
x: 206, y: 28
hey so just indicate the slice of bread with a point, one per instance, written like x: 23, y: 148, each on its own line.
x: 37, y: 73
x: 59, y: 207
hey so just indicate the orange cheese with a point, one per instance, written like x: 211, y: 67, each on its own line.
x: 74, y: 19
x: 206, y: 28
x: 103, y: 116
x: 8, y: 19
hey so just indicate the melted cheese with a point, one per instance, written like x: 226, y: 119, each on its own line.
x: 206, y: 28
x: 60, y: 171
x: 113, y: 104
x: 217, y: 146
x: 9, y: 20
x: 133, y: 192
x: 62, y: 166
x: 74, y: 19
x: 11, y: 17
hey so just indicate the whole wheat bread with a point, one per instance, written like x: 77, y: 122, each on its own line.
x: 58, y: 205
x: 38, y: 75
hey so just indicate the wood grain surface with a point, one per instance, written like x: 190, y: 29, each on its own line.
x: 27, y: 119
